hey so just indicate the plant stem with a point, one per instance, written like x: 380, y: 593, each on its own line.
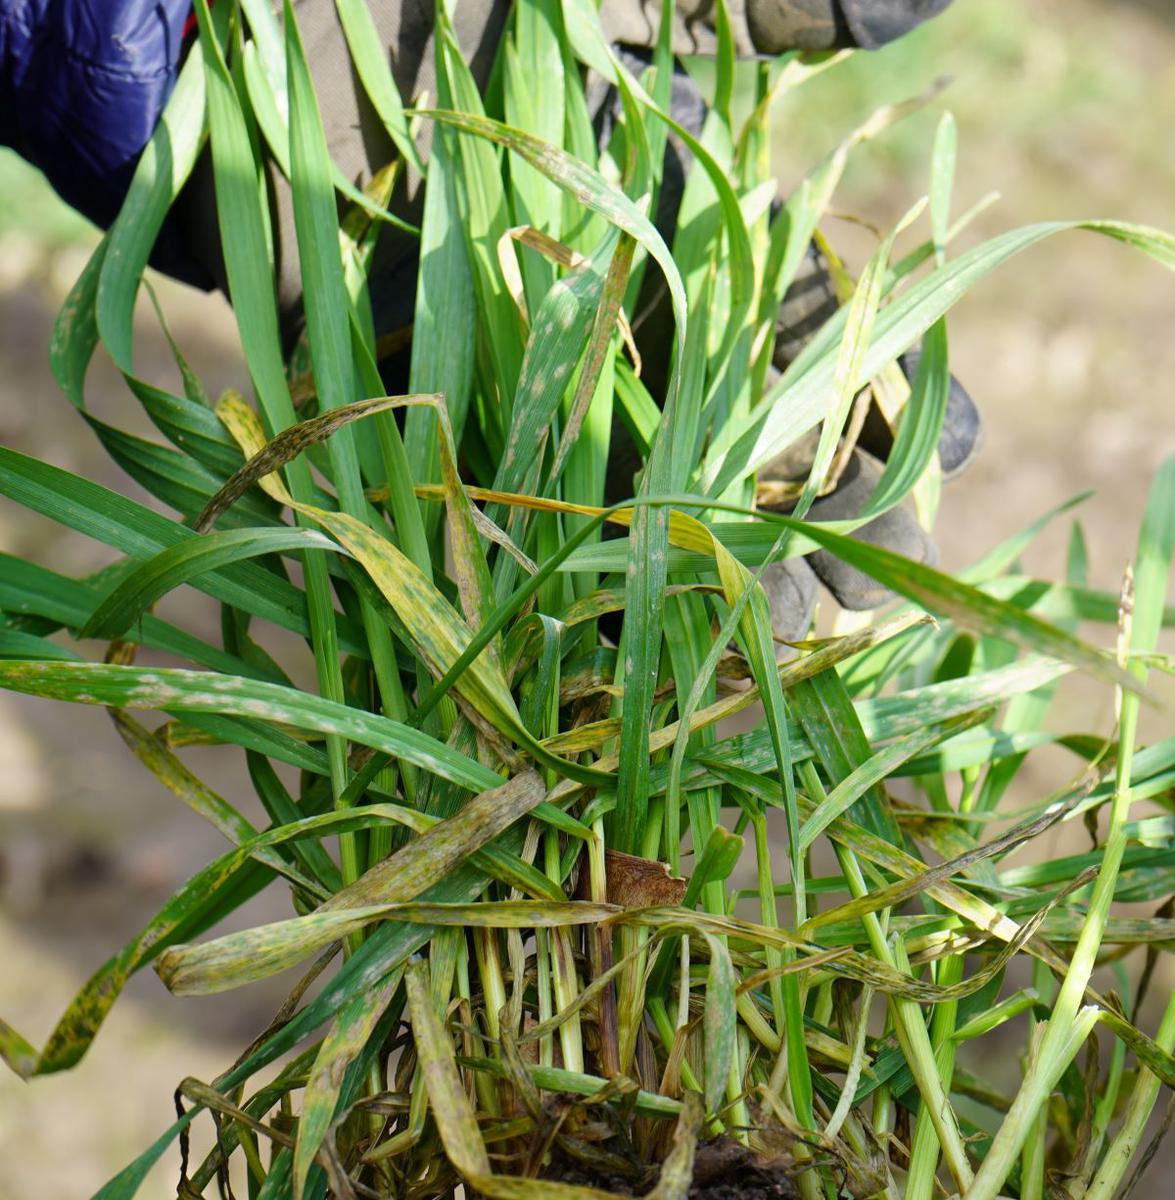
x: 1058, y: 1045
x: 1033, y: 1154
x: 914, y: 1040
x: 1138, y: 1110
x: 924, y: 1148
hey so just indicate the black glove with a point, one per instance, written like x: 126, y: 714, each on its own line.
x: 810, y: 301
x: 896, y: 530
x: 769, y: 26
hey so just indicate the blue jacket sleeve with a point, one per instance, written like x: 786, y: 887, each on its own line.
x: 82, y: 85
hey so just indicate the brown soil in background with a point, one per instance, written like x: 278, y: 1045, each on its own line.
x: 1068, y: 350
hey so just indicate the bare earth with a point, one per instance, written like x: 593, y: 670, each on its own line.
x: 1068, y: 350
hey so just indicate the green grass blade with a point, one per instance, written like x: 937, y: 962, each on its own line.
x: 348, y: 1035
x: 139, y: 532
x: 195, y: 691
x: 244, y: 239
x: 443, y: 340
x: 181, y: 563
x: 878, y: 767
x: 968, y: 607
x: 833, y: 727
x: 942, y: 181
x: 164, y: 166
x: 450, y: 1105
x: 773, y: 425
x: 362, y: 41
x: 921, y: 424
x: 1068, y: 1024
x: 720, y: 1023
x: 29, y: 589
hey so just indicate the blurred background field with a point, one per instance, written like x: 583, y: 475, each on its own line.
x: 1064, y: 106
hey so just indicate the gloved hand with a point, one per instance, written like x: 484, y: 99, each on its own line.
x: 810, y: 301
x: 83, y: 83
x: 896, y: 530
x: 791, y: 585
x: 770, y: 26
x: 86, y: 138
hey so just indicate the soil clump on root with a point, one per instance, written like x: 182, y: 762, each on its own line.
x: 723, y: 1170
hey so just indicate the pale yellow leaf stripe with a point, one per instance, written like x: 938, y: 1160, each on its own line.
x: 438, y: 631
